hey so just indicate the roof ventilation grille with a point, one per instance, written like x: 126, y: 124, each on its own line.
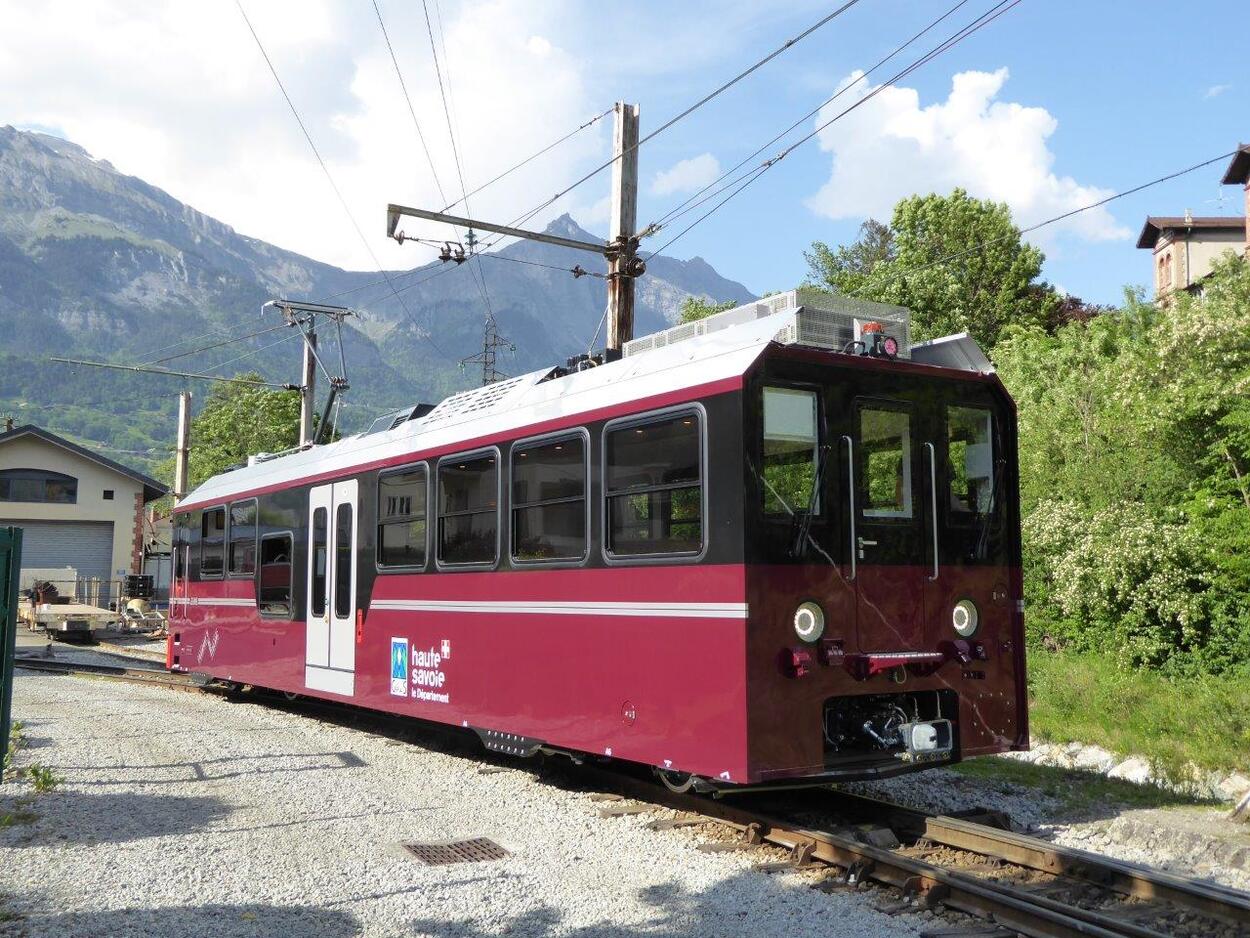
x: 824, y: 320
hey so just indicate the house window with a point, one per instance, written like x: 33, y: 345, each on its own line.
x: 549, y: 500
x: 212, y: 542
x: 274, y: 596
x: 654, y: 488
x: 468, y: 509
x: 243, y: 538
x: 37, y: 485
x: 402, y: 518
x: 108, y: 495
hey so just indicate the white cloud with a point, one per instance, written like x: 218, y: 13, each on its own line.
x: 1216, y: 90
x: 891, y: 147
x: 686, y: 175
x: 178, y: 94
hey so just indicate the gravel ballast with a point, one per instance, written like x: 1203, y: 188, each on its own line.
x: 187, y: 814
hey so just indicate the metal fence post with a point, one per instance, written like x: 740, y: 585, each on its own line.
x: 10, y: 569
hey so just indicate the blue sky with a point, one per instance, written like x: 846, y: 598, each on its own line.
x: 1058, y: 103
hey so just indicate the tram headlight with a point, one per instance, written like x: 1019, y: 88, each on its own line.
x: 965, y: 618
x: 809, y: 621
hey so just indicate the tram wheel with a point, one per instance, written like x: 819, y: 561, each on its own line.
x: 679, y: 782
x: 290, y: 695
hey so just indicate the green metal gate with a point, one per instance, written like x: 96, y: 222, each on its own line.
x: 10, y: 565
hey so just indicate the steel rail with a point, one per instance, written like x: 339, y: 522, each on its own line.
x: 141, y: 675
x: 1011, y: 907
x: 1129, y: 879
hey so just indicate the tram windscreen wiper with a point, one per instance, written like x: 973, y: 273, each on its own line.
x: 801, y: 536
x: 983, y: 534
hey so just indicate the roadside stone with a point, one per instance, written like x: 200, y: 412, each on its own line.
x: 1094, y: 759
x: 1134, y: 770
x: 1234, y: 787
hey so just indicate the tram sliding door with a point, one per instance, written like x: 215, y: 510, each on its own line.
x: 889, y: 545
x: 330, y: 638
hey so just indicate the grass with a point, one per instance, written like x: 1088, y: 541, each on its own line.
x: 43, y: 778
x: 1079, y: 793
x: 1168, y: 721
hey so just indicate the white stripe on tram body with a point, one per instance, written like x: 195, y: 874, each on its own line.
x: 540, y: 607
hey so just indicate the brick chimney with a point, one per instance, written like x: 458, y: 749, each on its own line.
x: 8, y: 423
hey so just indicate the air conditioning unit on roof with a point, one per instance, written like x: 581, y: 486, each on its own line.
x: 824, y: 320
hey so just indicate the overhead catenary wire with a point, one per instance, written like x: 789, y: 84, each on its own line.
x: 215, y: 345
x: 326, y: 169
x: 982, y: 245
x: 740, y: 184
x: 529, y: 159
x: 695, y: 197
x: 711, y: 95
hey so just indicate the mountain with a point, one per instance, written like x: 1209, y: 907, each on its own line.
x: 96, y: 264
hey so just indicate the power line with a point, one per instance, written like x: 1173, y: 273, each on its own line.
x: 530, y: 158
x: 680, y: 208
x: 324, y: 168
x: 576, y: 271
x: 163, y: 371
x: 750, y: 177
x: 894, y: 274
x: 207, y: 348
x: 411, y: 110
x: 829, y: 17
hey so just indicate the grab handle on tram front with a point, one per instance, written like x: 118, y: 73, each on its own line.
x: 933, y: 506
x: 850, y: 494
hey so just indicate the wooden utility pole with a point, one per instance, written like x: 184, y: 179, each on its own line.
x: 308, y: 387
x: 182, y: 451
x: 621, y: 250
x: 621, y: 237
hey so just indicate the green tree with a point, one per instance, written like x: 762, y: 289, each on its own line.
x: 958, y: 263
x: 237, y: 421
x: 694, y: 308
x: 846, y: 268
x: 1134, y: 441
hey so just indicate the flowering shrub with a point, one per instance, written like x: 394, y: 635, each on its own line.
x: 1118, y: 580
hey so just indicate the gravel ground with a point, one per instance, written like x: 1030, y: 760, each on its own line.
x: 181, y: 814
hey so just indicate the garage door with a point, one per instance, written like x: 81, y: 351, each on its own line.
x: 87, y: 546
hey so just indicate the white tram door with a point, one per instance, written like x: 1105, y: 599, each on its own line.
x: 330, y: 644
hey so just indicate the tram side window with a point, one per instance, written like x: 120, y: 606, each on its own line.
x: 212, y: 542
x: 274, y: 596
x: 790, y: 441
x: 885, y: 466
x: 970, y: 459
x: 401, y: 519
x: 243, y: 538
x: 654, y: 486
x: 317, y: 599
x: 343, y: 560
x: 549, y: 500
x: 468, y: 509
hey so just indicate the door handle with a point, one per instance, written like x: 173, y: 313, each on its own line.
x: 850, y: 495
x: 933, y: 507
x: 862, y: 544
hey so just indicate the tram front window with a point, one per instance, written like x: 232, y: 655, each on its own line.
x: 789, y: 458
x: 970, y: 459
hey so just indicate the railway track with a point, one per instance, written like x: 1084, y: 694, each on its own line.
x: 1016, y: 884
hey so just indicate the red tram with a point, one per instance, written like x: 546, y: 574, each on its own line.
x: 784, y: 549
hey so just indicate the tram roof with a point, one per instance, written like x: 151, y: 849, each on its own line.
x: 534, y: 401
